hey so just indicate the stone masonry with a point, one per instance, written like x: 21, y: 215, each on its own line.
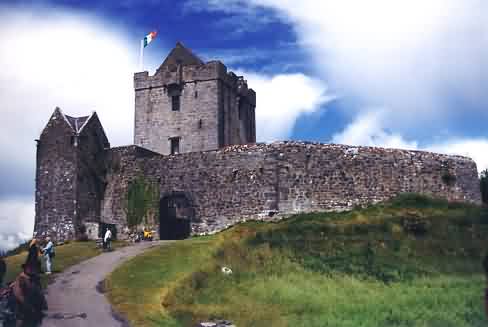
x: 214, y: 108
x: 71, y: 169
x: 219, y: 176
x: 264, y: 181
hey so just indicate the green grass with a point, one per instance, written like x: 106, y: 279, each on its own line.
x: 66, y: 255
x: 413, y: 261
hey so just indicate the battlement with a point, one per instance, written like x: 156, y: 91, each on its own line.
x: 212, y: 70
x: 189, y: 105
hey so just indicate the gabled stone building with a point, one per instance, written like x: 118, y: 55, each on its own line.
x: 70, y: 174
x: 195, y: 146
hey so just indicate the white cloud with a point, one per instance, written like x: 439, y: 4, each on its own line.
x: 477, y: 149
x: 422, y: 61
x: 51, y: 59
x: 16, y: 221
x: 61, y: 59
x: 48, y: 59
x: 369, y: 129
x: 281, y: 99
x: 412, y: 57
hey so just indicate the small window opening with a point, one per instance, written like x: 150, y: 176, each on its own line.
x: 175, y: 145
x: 196, y: 94
x: 175, y: 103
x: 200, y: 124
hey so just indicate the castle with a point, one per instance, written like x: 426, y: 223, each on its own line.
x: 196, y: 168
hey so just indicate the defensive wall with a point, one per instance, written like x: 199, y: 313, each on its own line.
x: 258, y: 181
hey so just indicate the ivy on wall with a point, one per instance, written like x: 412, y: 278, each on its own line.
x: 141, y: 202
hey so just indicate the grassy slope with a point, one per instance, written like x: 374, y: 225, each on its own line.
x: 411, y: 262
x: 66, y: 256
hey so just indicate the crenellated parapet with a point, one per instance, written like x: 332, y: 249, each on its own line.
x: 189, y: 106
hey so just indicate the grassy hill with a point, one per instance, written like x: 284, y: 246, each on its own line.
x: 412, y: 261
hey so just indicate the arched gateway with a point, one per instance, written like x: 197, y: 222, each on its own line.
x: 175, y: 216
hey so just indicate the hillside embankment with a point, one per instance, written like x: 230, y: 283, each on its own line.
x: 412, y: 261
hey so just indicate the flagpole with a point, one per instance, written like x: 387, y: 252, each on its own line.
x: 141, y: 57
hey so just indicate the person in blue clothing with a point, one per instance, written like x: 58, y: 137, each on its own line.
x: 48, y: 252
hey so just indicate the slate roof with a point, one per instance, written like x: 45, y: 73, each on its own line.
x: 77, y: 123
x: 181, y: 55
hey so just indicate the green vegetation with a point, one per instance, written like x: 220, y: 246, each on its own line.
x: 141, y: 203
x: 412, y: 261
x: 66, y: 255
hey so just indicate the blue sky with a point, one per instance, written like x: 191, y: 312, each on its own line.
x: 404, y: 74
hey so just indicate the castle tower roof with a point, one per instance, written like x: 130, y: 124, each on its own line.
x: 77, y: 123
x: 180, y: 55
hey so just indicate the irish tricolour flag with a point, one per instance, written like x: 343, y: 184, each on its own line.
x: 148, y: 38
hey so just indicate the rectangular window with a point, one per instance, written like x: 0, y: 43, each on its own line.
x: 175, y: 145
x: 175, y: 103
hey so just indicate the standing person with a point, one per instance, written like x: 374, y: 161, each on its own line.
x: 33, y: 257
x: 108, y: 239
x: 30, y: 302
x: 48, y: 251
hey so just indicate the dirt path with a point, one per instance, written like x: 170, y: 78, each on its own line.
x: 76, y: 297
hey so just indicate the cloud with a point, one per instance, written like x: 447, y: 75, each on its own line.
x: 281, y: 99
x: 55, y: 58
x: 368, y: 129
x: 48, y: 59
x: 408, y: 56
x: 16, y: 219
x: 477, y: 149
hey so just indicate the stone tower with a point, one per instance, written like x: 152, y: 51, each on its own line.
x: 70, y: 175
x: 190, y: 106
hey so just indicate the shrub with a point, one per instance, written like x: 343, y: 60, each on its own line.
x: 141, y: 201
x: 414, y: 200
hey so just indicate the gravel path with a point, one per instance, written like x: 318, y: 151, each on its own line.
x: 76, y: 298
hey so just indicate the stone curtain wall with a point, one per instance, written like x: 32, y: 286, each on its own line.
x: 123, y: 166
x: 255, y: 181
